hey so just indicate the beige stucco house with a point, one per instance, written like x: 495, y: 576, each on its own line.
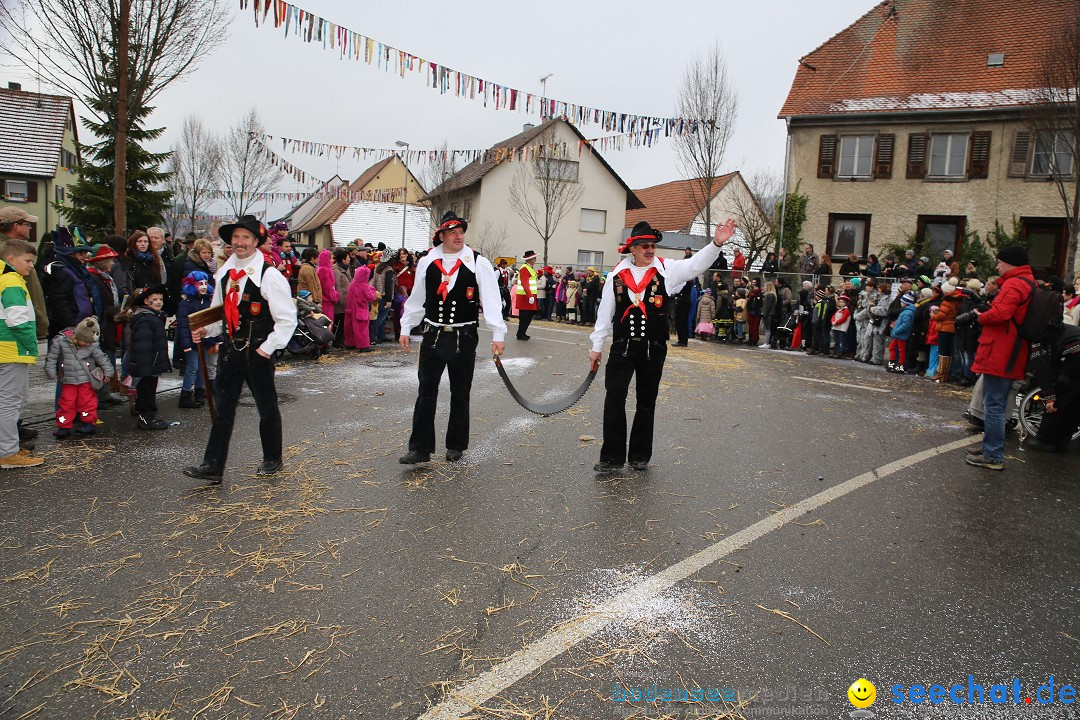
x: 907, y: 126
x: 39, y: 155
x: 588, y: 234
x: 341, y: 219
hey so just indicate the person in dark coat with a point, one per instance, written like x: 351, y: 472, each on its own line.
x: 1059, y: 378
x: 141, y: 265
x: 69, y: 290
x: 148, y: 353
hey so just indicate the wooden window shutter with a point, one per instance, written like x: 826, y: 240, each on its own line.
x: 826, y: 159
x: 31, y: 190
x: 916, y: 155
x: 979, y: 155
x: 883, y: 156
x: 1019, y: 160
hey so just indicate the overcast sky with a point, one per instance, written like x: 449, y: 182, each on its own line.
x: 626, y: 56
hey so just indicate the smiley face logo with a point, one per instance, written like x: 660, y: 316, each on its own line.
x: 862, y: 693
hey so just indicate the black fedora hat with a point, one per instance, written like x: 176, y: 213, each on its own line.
x: 450, y: 220
x: 248, y: 222
x: 642, y: 232
x: 142, y: 293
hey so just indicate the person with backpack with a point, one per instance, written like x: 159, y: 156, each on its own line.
x: 1002, y: 354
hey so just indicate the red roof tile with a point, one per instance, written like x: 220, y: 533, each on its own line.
x: 672, y: 207
x: 908, y: 55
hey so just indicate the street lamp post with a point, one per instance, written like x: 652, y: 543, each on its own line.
x: 404, y: 188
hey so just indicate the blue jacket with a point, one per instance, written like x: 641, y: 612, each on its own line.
x: 902, y: 328
x: 190, y: 304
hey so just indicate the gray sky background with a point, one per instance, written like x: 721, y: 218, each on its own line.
x: 625, y: 56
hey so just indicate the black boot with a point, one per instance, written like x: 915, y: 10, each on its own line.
x: 187, y: 401
x: 200, y: 396
x: 150, y: 422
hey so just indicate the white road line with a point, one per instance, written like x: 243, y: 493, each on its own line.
x: 845, y: 385
x: 467, y: 697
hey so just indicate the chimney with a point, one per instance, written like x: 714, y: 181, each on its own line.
x: 14, y: 86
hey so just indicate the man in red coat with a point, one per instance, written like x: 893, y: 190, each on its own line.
x: 1002, y: 355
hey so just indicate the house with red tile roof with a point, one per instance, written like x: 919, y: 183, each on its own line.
x: 677, y: 209
x: 908, y: 126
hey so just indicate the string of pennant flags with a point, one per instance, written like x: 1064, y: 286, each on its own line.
x: 314, y: 29
x: 342, y: 192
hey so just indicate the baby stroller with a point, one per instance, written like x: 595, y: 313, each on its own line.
x: 786, y: 330
x: 313, y: 335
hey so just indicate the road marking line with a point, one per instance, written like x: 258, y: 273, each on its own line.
x: 467, y: 697
x: 846, y: 385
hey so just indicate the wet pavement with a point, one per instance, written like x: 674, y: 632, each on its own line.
x: 350, y: 586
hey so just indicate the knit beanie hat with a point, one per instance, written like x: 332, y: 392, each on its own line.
x: 926, y: 293
x: 88, y: 332
x: 907, y: 298
x: 948, y: 288
x: 974, y: 284
x: 1014, y: 255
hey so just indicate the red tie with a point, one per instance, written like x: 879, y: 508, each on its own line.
x: 232, y: 301
x: 444, y: 286
x: 637, y: 288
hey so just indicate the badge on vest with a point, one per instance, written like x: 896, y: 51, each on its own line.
x: 657, y: 300
x: 469, y: 293
x: 255, y: 308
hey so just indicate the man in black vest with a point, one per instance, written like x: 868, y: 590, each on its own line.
x: 260, y: 318
x: 452, y: 283
x: 632, y: 306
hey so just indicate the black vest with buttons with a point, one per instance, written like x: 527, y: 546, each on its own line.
x: 462, y: 304
x: 653, y: 325
x: 256, y: 322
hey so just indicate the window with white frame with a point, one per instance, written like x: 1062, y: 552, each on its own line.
x: 948, y: 154
x: 60, y: 192
x: 561, y: 170
x: 856, y: 156
x: 16, y: 189
x: 587, y: 258
x: 593, y: 220
x: 1053, y: 153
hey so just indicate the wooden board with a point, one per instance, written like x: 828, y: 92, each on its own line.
x: 209, y: 316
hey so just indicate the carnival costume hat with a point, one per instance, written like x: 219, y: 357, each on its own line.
x: 88, y: 331
x: 104, y: 252
x: 192, y: 280
x: 70, y: 240
x: 248, y: 222
x: 641, y: 233
x: 529, y: 255
x: 142, y: 293
x: 450, y: 220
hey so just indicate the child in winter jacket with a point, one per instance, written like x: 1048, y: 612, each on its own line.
x: 841, y: 321
x: 932, y: 343
x: 572, y: 294
x: 195, y: 295
x: 77, y: 360
x: 706, y: 311
x: 740, y: 314
x: 901, y: 333
x: 148, y: 354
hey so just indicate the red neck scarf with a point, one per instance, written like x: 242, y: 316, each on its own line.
x: 444, y: 286
x: 232, y: 300
x: 637, y: 289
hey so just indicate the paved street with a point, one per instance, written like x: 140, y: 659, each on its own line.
x: 798, y: 529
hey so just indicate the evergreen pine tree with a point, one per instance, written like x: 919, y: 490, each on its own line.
x: 92, y: 193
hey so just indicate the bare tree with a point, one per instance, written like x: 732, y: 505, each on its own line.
x: 545, y: 188
x: 708, y: 98
x: 197, y: 159
x: 754, y: 209
x: 175, y: 211
x: 491, y: 239
x: 439, y: 174
x: 246, y: 170
x: 117, y: 55
x: 1054, y: 121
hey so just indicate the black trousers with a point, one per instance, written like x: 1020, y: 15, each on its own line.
x: 339, y: 330
x: 505, y: 294
x: 454, y: 352
x: 525, y: 318
x: 646, y: 358
x: 682, y: 320
x: 146, y: 396
x: 235, y: 368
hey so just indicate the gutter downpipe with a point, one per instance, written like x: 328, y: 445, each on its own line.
x: 783, y: 201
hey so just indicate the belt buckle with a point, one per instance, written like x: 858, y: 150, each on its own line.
x: 448, y: 328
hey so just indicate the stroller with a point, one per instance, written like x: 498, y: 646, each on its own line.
x: 785, y: 331
x: 313, y: 335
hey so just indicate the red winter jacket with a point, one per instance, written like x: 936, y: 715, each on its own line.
x: 1000, y: 327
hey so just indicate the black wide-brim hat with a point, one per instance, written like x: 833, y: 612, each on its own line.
x: 642, y: 232
x: 450, y: 220
x: 142, y: 293
x: 248, y: 222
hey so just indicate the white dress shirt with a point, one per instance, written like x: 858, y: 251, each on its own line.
x: 676, y: 273
x: 275, y: 291
x: 412, y: 313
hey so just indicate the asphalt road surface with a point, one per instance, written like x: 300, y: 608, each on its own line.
x: 804, y: 523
